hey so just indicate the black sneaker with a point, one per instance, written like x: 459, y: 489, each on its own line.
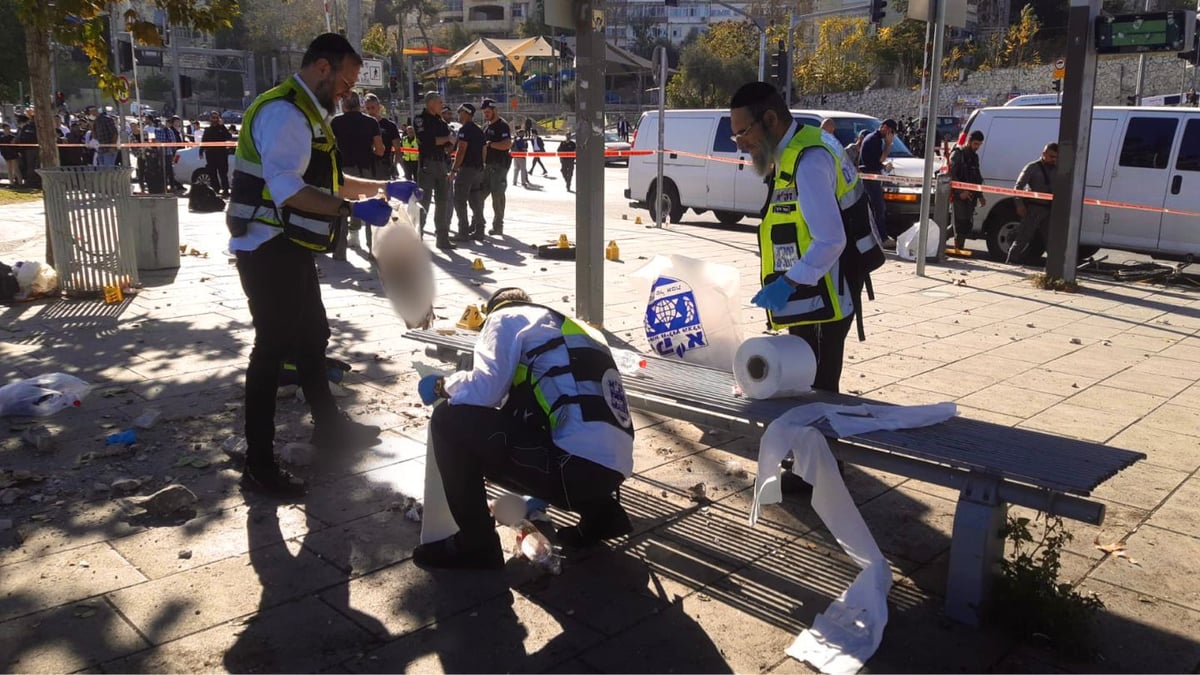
x: 460, y: 237
x: 592, y: 530
x: 496, y: 231
x: 445, y: 245
x: 477, y: 233
x: 450, y: 553
x: 273, y: 482
x: 345, y: 432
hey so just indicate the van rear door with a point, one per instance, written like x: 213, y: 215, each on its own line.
x: 1180, y: 234
x: 1140, y: 177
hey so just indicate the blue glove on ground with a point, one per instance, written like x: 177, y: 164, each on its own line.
x: 375, y: 212
x: 774, y: 295
x: 403, y: 190
x: 427, y: 388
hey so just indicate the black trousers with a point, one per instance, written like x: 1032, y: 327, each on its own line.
x: 828, y: 343
x: 468, y: 190
x: 436, y: 186
x: 495, y: 183
x: 218, y: 172
x: 472, y: 443
x: 964, y: 217
x: 284, y: 295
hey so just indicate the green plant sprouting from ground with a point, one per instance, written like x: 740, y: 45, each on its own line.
x: 1030, y: 600
x: 1047, y: 282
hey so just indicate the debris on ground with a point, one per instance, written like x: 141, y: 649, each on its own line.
x: 298, y: 454
x: 5, y: 524
x: 167, y: 501
x: 148, y: 418
x: 1115, y: 549
x: 9, y: 495
x: 126, y: 485
x: 734, y: 468
x: 234, y: 447
x: 185, y: 554
x: 40, y: 438
x: 698, y: 492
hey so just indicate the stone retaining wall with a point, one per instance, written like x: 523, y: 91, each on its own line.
x: 1115, y: 79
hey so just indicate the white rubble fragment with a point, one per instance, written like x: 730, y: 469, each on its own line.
x: 148, y: 418
x: 298, y: 454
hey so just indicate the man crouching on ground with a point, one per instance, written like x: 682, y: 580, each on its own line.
x: 543, y: 413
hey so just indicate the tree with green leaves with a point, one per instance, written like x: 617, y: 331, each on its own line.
x: 841, y: 60
x: 13, y: 70
x: 712, y: 67
x: 80, y: 23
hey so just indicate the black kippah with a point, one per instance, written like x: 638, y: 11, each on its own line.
x: 751, y: 93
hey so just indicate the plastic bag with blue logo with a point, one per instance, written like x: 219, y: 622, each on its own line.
x: 692, y: 309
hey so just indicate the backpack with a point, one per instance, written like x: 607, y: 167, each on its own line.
x: 203, y: 199
x: 861, y: 256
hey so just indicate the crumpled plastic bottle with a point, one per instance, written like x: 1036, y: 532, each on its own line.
x: 629, y: 363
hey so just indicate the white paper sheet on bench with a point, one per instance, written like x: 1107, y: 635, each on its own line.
x: 846, y: 634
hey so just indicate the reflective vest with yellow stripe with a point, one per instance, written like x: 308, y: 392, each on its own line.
x: 251, y: 198
x: 568, y: 384
x: 783, y: 236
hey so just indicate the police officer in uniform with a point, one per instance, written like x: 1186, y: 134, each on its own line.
x: 543, y: 413
x: 287, y: 197
x: 467, y: 174
x: 801, y: 238
x: 496, y: 159
x: 433, y: 140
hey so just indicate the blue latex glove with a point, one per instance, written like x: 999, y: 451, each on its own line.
x: 427, y: 388
x: 375, y: 212
x: 403, y: 190
x: 774, y: 295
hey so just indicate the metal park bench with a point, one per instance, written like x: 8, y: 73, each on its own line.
x: 990, y: 465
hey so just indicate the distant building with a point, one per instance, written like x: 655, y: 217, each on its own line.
x: 487, y: 18
x: 626, y: 17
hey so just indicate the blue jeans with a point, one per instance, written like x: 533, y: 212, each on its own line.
x: 106, y: 157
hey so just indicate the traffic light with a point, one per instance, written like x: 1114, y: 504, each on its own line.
x: 781, y: 65
x: 1056, y: 85
x: 393, y: 85
x: 124, y: 56
x: 1131, y: 100
x: 59, y: 99
x: 416, y: 90
x: 185, y: 86
x: 878, y: 11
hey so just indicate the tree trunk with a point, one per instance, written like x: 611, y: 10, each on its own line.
x: 37, y: 54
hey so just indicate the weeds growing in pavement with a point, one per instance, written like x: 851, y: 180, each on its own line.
x: 1030, y: 601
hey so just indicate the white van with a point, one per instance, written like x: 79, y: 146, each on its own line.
x: 1144, y: 156
x: 703, y: 169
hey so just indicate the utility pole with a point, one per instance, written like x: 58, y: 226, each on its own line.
x: 354, y: 31
x: 1141, y: 73
x: 938, y: 10
x: 1075, y: 133
x: 589, y: 203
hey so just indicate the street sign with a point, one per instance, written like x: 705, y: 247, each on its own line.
x: 122, y: 91
x: 1060, y: 68
x: 371, y: 74
x: 1147, y: 32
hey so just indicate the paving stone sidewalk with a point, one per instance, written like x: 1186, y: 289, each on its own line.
x: 89, y: 584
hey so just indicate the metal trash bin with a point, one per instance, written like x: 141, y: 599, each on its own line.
x: 93, y: 233
x: 157, y: 231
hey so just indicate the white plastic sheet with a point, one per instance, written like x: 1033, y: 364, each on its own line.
x: 692, y: 309
x: 846, y: 634
x: 437, y: 522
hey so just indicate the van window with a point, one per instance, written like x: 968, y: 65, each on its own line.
x: 724, y: 140
x: 1148, y: 142
x: 1189, y: 149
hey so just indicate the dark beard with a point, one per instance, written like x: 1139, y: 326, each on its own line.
x: 324, y: 95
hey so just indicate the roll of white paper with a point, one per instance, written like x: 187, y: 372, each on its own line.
x: 774, y: 367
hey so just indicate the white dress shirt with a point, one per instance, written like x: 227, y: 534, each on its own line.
x: 283, y: 138
x: 816, y: 190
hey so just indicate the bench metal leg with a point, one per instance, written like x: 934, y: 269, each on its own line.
x: 976, y: 548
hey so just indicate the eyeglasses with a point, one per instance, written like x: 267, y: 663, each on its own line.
x: 737, y: 135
